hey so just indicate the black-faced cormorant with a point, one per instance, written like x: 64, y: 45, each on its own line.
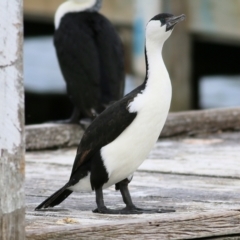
x: 121, y: 137
x: 90, y: 55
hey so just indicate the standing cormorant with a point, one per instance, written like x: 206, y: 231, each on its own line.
x: 90, y: 55
x: 121, y: 137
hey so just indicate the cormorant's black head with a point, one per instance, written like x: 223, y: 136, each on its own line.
x: 168, y: 19
x: 159, y: 28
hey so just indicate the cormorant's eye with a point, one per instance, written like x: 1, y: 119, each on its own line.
x: 163, y: 21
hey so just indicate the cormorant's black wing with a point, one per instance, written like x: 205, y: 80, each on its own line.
x: 79, y: 62
x: 105, y: 128
x: 111, y: 57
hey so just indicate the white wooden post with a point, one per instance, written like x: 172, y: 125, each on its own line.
x: 12, y: 164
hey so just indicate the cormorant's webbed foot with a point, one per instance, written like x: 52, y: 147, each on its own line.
x: 130, y: 207
x: 101, y: 208
x: 105, y: 210
x: 123, y: 187
x: 132, y: 210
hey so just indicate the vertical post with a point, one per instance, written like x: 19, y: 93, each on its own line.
x: 12, y: 162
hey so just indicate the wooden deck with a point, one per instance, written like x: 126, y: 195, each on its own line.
x: 197, y: 176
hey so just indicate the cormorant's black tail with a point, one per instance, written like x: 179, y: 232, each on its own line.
x: 55, y: 198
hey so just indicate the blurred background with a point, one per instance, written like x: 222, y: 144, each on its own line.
x: 202, y: 55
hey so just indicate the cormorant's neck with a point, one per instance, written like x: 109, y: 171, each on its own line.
x: 154, y: 62
x: 74, y: 6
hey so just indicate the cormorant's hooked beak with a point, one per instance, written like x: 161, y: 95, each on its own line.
x: 172, y: 21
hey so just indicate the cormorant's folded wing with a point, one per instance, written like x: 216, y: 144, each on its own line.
x: 105, y: 128
x: 78, y: 60
x: 111, y: 56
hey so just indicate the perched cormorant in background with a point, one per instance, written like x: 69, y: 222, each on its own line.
x: 121, y: 137
x: 90, y: 55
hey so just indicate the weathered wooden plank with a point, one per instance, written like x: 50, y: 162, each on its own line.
x: 186, y: 226
x: 190, y: 196
x: 216, y: 156
x: 203, y: 156
x: 183, y: 123
x: 202, y: 121
x: 44, y: 136
x: 183, y: 193
x: 12, y: 163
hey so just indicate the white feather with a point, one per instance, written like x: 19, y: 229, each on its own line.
x: 71, y: 6
x: 83, y: 185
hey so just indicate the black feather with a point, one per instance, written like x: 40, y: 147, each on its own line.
x: 90, y: 55
x: 55, y: 198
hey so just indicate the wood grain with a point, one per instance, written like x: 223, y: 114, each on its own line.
x: 214, y: 156
x: 45, y: 136
x: 203, y: 121
x: 185, y: 226
x: 206, y: 205
x: 204, y: 155
x: 12, y: 164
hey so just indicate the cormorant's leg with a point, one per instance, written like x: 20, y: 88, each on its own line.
x: 123, y: 187
x: 130, y: 207
x: 101, y: 208
x: 99, y: 200
x: 75, y: 116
